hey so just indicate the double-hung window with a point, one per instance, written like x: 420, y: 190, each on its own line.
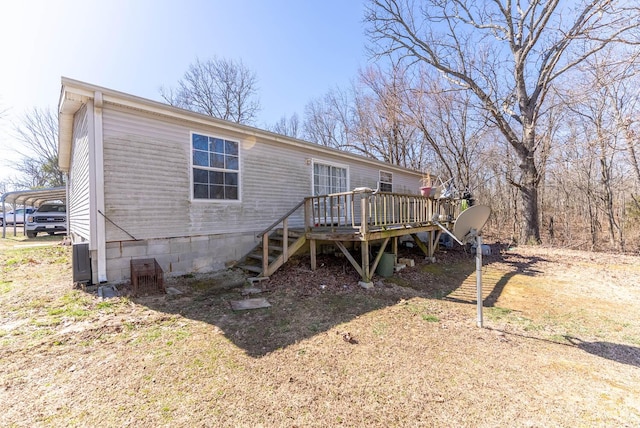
x: 386, y: 181
x: 216, y: 168
x: 329, y: 179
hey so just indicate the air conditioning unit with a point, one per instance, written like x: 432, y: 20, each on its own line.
x: 81, y: 263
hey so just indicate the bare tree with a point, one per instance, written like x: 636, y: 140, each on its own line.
x: 219, y: 88
x: 328, y: 120
x: 454, y: 131
x: 38, y: 132
x: 290, y: 127
x: 508, y: 55
x: 603, y: 104
x: 622, y: 85
x: 381, y: 129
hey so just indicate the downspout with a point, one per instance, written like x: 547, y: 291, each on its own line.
x: 93, y: 210
x: 101, y: 243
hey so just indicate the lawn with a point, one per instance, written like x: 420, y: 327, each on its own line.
x: 560, y: 347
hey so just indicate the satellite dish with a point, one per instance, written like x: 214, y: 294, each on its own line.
x: 467, y: 229
x: 470, y: 222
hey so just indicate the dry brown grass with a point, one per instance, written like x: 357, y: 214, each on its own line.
x: 561, y: 346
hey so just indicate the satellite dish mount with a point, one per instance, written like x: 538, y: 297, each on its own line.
x: 466, y: 230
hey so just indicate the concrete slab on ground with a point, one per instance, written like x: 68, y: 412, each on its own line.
x: 243, y: 305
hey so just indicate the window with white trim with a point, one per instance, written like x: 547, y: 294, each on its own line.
x: 216, y: 167
x: 386, y: 181
x: 329, y: 179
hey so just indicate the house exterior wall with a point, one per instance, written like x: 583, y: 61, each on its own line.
x: 78, y: 197
x: 147, y: 191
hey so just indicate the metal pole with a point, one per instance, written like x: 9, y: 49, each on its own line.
x: 4, y: 220
x: 479, y: 278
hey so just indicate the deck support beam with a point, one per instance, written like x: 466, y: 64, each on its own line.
x: 434, y: 236
x: 420, y: 244
x: 349, y: 257
x: 379, y: 256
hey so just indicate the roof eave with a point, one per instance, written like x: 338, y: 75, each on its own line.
x: 70, y: 102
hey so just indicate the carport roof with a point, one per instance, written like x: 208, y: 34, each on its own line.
x: 34, y: 198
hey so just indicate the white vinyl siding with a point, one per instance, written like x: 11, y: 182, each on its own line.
x: 148, y: 184
x: 78, y: 198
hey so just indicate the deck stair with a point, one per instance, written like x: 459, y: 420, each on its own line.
x: 277, y: 244
x: 254, y: 261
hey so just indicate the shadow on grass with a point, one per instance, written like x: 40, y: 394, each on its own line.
x: 464, y: 290
x: 625, y: 354
x: 306, y: 303
x: 289, y: 319
x: 520, y: 266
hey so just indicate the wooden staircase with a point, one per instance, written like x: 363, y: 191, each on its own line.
x: 276, y: 247
x: 276, y: 253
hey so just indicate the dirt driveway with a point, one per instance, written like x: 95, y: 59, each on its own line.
x: 561, y: 346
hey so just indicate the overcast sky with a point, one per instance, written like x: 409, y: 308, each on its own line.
x: 298, y: 48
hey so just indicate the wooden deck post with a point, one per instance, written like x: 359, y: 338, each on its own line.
x: 312, y: 251
x: 394, y: 249
x: 307, y: 215
x: 364, y: 214
x: 366, y: 270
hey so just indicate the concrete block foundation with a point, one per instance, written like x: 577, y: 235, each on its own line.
x: 178, y: 256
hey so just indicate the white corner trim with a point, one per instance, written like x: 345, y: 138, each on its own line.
x: 97, y: 235
x: 99, y: 189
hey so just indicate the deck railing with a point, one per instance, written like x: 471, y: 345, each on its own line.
x: 356, y: 211
x: 368, y: 209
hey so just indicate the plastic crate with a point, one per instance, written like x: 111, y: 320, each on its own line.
x: 146, y: 277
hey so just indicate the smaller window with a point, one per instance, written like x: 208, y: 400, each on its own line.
x: 386, y: 181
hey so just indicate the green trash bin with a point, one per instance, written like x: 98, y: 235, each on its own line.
x: 385, y: 265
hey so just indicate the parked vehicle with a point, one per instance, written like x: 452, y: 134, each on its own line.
x: 17, y: 216
x: 50, y: 218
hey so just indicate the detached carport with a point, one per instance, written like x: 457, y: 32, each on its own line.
x: 32, y: 198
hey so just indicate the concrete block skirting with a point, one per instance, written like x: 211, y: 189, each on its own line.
x: 178, y: 256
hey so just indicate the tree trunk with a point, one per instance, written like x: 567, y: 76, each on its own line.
x: 530, y: 230
x: 529, y: 180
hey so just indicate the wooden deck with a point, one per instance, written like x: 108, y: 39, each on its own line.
x: 363, y: 220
